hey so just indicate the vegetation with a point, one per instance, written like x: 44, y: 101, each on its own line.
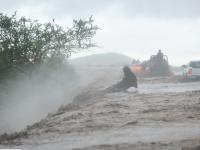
x: 26, y: 43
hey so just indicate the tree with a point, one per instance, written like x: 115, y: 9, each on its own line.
x: 26, y: 43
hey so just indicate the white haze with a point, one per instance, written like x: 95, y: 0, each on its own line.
x: 29, y: 99
x: 136, y: 28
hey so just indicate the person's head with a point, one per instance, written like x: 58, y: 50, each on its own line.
x: 126, y: 69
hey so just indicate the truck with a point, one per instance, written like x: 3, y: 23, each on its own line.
x: 192, y: 70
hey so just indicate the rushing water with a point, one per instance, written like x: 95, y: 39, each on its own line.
x: 168, y: 87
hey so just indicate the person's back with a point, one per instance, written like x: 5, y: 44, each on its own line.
x: 130, y: 79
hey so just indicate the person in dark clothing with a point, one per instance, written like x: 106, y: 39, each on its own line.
x: 129, y: 80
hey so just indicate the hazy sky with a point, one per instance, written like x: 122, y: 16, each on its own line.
x: 137, y: 28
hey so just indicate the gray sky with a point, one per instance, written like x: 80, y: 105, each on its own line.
x: 137, y: 28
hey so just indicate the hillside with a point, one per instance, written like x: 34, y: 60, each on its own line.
x: 105, y: 59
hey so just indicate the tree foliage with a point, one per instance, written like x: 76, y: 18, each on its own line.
x: 26, y: 43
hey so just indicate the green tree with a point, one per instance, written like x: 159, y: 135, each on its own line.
x: 26, y: 43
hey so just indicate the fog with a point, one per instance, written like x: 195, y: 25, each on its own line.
x: 154, y: 94
x: 26, y: 100
x: 134, y: 28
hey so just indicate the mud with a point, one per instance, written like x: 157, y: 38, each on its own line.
x: 160, y: 115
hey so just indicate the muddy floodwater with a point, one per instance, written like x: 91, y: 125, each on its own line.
x: 158, y: 115
x: 169, y: 87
